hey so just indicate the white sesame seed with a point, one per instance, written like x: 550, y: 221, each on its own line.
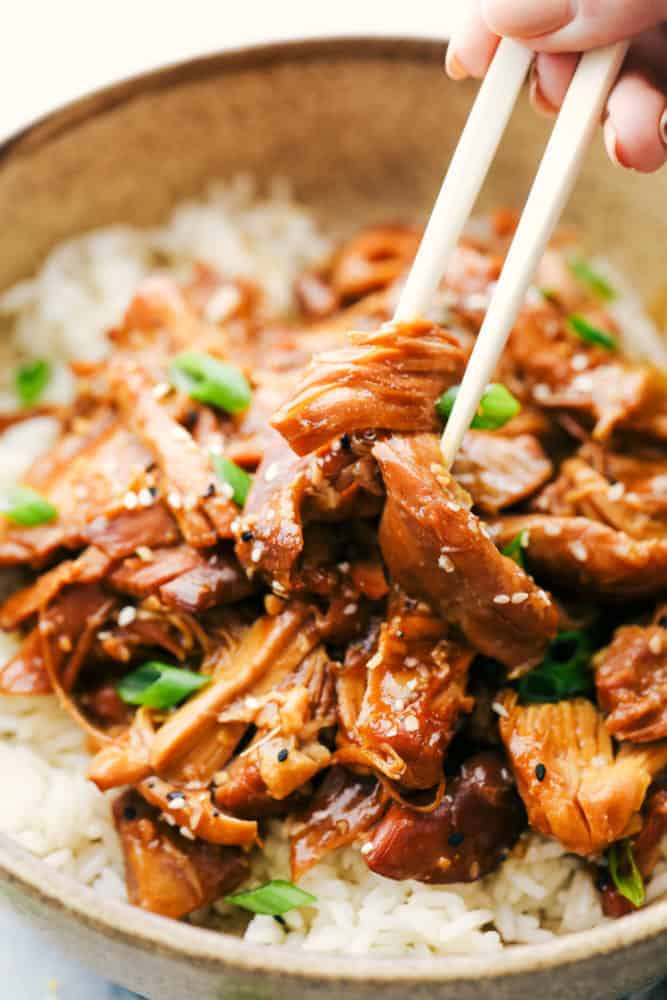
x: 160, y: 390
x: 616, y: 491
x: 189, y: 501
x: 399, y: 704
x: 226, y: 490
x: 145, y: 497
x: 582, y: 383
x: 177, y: 802
x: 578, y: 550
x: 501, y: 599
x: 500, y: 709
x: 130, y: 500
x: 184, y: 832
x: 444, y: 562
x: 144, y: 553
x: 344, y: 567
x: 524, y: 538
x: 216, y: 448
x: 519, y: 597
x: 655, y: 644
x: 350, y: 609
x: 411, y: 723
x: 126, y: 615
x: 542, y: 392
x: 552, y: 529
x: 256, y: 552
x: 174, y: 500
x: 435, y: 468
x: 272, y: 471
x: 579, y: 362
x: 168, y: 819
x: 367, y: 847
x: 454, y: 507
x: 410, y: 661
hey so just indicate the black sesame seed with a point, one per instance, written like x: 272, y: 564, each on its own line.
x: 279, y: 920
x: 190, y: 419
x: 174, y: 795
x: 283, y: 754
x: 209, y: 491
x: 455, y: 839
x: 129, y: 813
x: 215, y: 813
x: 603, y: 881
x: 345, y: 442
x: 540, y: 772
x: 662, y: 622
x: 247, y: 536
x: 153, y: 491
x: 400, y: 634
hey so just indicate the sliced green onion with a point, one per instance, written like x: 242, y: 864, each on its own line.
x: 591, y: 333
x: 208, y: 380
x: 626, y: 876
x: 514, y: 549
x: 497, y: 406
x: 589, y: 277
x: 273, y: 899
x: 24, y: 506
x: 234, y: 476
x: 563, y: 673
x: 159, y: 685
x: 31, y: 380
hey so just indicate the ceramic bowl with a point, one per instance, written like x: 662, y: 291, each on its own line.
x: 364, y: 129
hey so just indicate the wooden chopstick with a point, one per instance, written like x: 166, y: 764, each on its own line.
x: 551, y: 189
x: 467, y: 171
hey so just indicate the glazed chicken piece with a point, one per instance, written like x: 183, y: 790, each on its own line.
x: 573, y: 786
x: 436, y: 549
x: 386, y: 380
x: 465, y: 837
x: 588, y: 557
x: 90, y: 567
x: 167, y: 873
x: 414, y: 694
x: 631, y: 682
x: 343, y: 808
x: 500, y: 471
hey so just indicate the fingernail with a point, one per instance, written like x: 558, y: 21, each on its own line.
x: 663, y: 128
x: 611, y: 142
x: 528, y: 18
x: 537, y: 98
x: 455, y: 69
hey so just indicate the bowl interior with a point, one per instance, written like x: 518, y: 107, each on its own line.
x: 363, y: 129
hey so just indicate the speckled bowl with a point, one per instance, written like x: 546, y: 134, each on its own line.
x: 364, y: 128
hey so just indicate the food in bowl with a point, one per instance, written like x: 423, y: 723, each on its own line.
x: 321, y: 680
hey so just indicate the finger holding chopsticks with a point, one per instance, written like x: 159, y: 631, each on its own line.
x: 557, y: 30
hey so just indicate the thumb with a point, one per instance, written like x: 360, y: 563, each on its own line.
x: 572, y: 25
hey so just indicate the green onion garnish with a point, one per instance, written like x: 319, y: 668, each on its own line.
x: 234, y: 476
x: 628, y: 881
x: 514, y: 549
x: 497, y: 406
x: 208, y: 380
x: 274, y: 898
x: 563, y: 673
x: 591, y: 333
x: 159, y: 685
x: 595, y: 283
x: 31, y: 380
x: 24, y: 506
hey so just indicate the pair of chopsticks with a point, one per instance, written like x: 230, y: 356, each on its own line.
x: 554, y: 181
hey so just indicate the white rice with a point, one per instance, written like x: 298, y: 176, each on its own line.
x: 48, y: 805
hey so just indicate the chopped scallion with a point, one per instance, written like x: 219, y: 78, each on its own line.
x: 234, y: 477
x: 591, y: 333
x: 624, y: 872
x: 211, y: 381
x: 589, y: 277
x: 514, y: 549
x: 497, y: 406
x: 273, y: 899
x: 159, y: 685
x: 563, y: 673
x: 31, y: 380
x: 24, y: 506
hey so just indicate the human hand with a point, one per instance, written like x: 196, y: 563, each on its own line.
x: 635, y: 123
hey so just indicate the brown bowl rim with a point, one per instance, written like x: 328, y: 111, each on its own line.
x: 216, y: 950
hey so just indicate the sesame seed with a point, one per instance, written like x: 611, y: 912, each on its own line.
x: 500, y: 709
x: 256, y: 552
x: 583, y: 383
x: 579, y: 362
x: 552, y: 529
x: 161, y: 390
x: 65, y: 643
x: 454, y: 507
x: 578, y: 550
x: 444, y: 562
x: 174, y: 500
x: 272, y: 471
x: 412, y: 723
x: 540, y: 772
x: 542, y: 392
x: 145, y: 497
x: 455, y: 839
x: 367, y: 847
x: 189, y: 501
x: 655, y: 644
x: 399, y: 704
x: 410, y: 661
x: 184, y: 832
x: 247, y: 536
x: 519, y: 597
x: 126, y: 615
x: 227, y: 490
x: 129, y: 813
x: 344, y: 567
x: 283, y: 754
x: 130, y: 500
x: 501, y: 599
x: 616, y: 491
x: 350, y: 609
x: 144, y: 553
